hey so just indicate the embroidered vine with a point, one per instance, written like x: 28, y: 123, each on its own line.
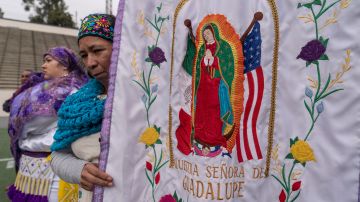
x: 314, y: 54
x: 151, y: 136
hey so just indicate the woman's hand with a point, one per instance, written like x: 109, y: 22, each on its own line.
x: 91, y: 175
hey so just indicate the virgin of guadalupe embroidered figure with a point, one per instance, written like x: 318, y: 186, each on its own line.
x: 214, y: 59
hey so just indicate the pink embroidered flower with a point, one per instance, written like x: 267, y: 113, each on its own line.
x: 167, y: 198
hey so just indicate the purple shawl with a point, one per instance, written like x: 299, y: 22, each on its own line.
x: 41, y: 99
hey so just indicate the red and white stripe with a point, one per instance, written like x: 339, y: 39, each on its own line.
x: 247, y: 143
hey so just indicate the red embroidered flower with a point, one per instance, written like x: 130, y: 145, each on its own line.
x: 103, y: 22
x: 167, y: 198
x: 157, y: 178
x: 148, y: 166
x: 296, y: 186
x: 282, y: 196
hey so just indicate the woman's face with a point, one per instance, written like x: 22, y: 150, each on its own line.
x: 25, y: 76
x: 52, y: 68
x: 208, y: 35
x: 96, y: 54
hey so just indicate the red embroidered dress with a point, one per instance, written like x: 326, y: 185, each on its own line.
x: 208, y: 125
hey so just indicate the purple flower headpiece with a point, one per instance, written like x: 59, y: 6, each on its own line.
x: 100, y: 25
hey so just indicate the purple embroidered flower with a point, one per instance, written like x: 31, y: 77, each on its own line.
x: 157, y: 56
x: 44, y: 97
x: 57, y: 104
x: 167, y: 198
x: 312, y: 51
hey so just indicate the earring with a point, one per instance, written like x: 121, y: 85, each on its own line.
x: 66, y: 73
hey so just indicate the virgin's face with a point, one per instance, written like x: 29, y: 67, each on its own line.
x: 96, y: 54
x: 52, y: 68
x: 208, y: 35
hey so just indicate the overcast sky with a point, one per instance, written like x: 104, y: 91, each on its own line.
x: 13, y: 9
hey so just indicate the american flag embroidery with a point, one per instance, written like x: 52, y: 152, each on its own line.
x: 247, y: 142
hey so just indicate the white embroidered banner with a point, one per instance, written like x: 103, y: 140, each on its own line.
x: 233, y: 100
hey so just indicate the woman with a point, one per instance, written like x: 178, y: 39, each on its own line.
x: 213, y: 115
x: 33, y: 122
x: 25, y: 75
x: 76, y: 147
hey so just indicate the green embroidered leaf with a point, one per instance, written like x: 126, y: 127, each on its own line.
x: 315, y: 62
x: 296, y: 196
x: 317, y: 2
x: 159, y: 8
x: 152, y: 100
x: 148, y: 177
x: 307, y: 107
x: 291, y: 142
x: 308, y: 63
x: 148, y: 60
x: 323, y: 41
x: 157, y: 128
x: 180, y: 200
x: 158, y: 141
x: 303, y: 164
x: 324, y: 57
x: 308, y: 5
x: 289, y: 156
x: 296, y: 161
x: 146, y: 146
x: 326, y: 42
x: 175, y: 196
x: 329, y: 93
x: 325, y: 87
x: 299, y: 5
x: 150, y: 48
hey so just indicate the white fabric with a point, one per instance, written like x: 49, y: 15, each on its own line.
x: 334, y: 176
x: 87, y: 148
x: 37, y: 134
x: 67, y: 166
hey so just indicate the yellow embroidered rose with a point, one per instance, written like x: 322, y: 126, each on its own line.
x: 149, y: 136
x: 302, y: 152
